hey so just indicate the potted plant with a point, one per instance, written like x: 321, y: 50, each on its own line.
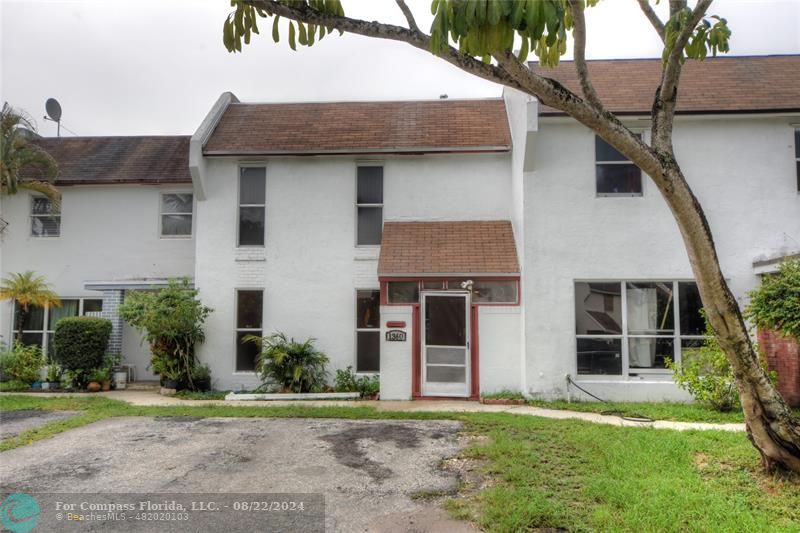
x: 201, y: 378
x: 53, y: 379
x: 96, y: 378
x: 169, y: 370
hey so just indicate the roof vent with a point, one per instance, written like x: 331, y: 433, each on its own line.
x: 442, y: 97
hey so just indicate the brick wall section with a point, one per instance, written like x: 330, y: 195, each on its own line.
x: 783, y: 356
x: 111, y: 301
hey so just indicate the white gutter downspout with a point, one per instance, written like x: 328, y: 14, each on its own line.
x: 197, y: 163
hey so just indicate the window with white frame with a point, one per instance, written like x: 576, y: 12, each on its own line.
x: 634, y: 327
x: 252, y: 205
x: 797, y: 155
x: 39, y: 323
x: 249, y: 321
x: 368, y: 334
x: 176, y: 214
x: 615, y: 175
x: 369, y: 205
x: 45, y: 218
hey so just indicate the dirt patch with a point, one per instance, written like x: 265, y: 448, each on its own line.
x: 12, y: 423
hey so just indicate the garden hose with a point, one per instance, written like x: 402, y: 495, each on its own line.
x: 633, y: 417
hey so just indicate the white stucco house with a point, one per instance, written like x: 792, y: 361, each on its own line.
x: 456, y: 247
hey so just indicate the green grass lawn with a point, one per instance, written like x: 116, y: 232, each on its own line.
x: 541, y: 473
x: 681, y: 412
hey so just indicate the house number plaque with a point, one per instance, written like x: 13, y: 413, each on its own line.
x: 396, y: 335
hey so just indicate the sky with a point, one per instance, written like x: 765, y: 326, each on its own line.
x: 155, y: 67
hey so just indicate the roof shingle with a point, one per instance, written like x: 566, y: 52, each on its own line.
x: 91, y: 160
x: 362, y: 127
x: 716, y: 85
x: 471, y: 247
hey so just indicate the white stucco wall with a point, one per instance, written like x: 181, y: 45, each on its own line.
x: 500, y: 348
x: 108, y: 232
x: 396, y: 356
x: 310, y: 267
x: 741, y: 169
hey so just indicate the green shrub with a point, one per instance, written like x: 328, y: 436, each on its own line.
x: 775, y: 304
x: 347, y: 381
x: 172, y: 320
x: 14, y: 386
x: 22, y: 363
x: 296, y: 366
x: 201, y: 378
x: 706, y: 374
x: 80, y: 345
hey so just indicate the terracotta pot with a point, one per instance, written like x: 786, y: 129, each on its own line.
x: 106, y: 386
x: 93, y: 386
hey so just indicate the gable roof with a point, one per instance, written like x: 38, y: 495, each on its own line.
x: 107, y: 160
x: 471, y: 247
x: 756, y: 84
x: 362, y: 128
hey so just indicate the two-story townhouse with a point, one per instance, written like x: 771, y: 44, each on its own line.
x: 455, y: 247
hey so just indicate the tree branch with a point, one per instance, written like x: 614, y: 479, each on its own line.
x: 651, y: 15
x: 412, y: 23
x: 667, y: 93
x: 579, y: 36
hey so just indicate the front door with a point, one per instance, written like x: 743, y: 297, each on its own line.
x: 445, y: 344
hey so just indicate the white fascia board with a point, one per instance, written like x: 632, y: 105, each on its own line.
x: 197, y: 165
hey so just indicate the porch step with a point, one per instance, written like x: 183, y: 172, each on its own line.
x: 143, y: 385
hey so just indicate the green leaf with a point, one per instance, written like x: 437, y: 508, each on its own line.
x: 302, y: 38
x: 292, y: 43
x: 523, y: 51
x: 275, y: 33
x: 227, y: 35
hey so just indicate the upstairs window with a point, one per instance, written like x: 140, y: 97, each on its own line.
x: 369, y: 205
x: 252, y: 205
x: 615, y: 174
x: 45, y: 218
x: 797, y: 155
x: 176, y: 214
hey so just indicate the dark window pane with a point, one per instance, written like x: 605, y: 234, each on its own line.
x: 368, y: 309
x: 446, y: 374
x: 370, y: 185
x: 445, y: 321
x: 691, y: 307
x: 798, y: 175
x: 176, y: 203
x: 176, y: 225
x: 403, y: 292
x: 252, y: 185
x: 34, y: 319
x: 246, y: 352
x: 650, y: 308
x: 494, y: 291
x: 251, y: 226
x: 650, y: 352
x: 433, y: 285
x: 368, y: 356
x: 600, y: 356
x: 605, y: 152
x: 92, y: 306
x: 68, y: 308
x: 29, y: 339
x: 797, y: 143
x: 249, y: 309
x: 370, y: 225
x: 598, y: 308
x: 619, y: 179
x: 45, y: 226
x: 41, y: 206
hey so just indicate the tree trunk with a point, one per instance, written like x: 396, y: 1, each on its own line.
x: 771, y: 426
x: 22, y: 314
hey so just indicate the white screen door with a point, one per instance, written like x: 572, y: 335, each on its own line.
x: 445, y: 344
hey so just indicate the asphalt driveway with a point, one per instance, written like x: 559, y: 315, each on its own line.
x: 368, y: 471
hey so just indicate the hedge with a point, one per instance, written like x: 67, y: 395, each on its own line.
x: 81, y: 342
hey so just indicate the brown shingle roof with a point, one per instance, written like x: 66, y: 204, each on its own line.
x: 362, y: 127
x: 471, y: 247
x: 89, y: 160
x: 716, y: 85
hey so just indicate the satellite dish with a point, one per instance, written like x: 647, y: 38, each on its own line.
x: 53, y: 109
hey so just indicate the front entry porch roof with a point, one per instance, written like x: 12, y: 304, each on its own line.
x: 476, y: 247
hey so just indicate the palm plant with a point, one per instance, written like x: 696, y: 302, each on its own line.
x: 17, y: 154
x: 297, y: 366
x: 27, y: 289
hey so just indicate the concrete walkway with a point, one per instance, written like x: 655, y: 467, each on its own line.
x: 152, y: 398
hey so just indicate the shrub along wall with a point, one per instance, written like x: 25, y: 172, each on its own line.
x: 783, y: 356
